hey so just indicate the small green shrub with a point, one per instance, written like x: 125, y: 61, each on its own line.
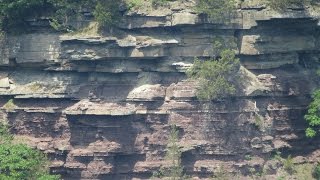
x: 288, y: 165
x: 277, y: 156
x: 248, y: 157
x: 10, y: 106
x: 313, y: 115
x: 304, y: 171
x: 316, y: 172
x: 13, y: 13
x: 282, y: 177
x: 18, y: 161
x: 215, y: 76
x: 134, y: 3
x: 107, y: 12
x: 173, y: 154
x: 5, y: 135
x: 221, y: 174
x: 217, y: 9
x: 258, y: 122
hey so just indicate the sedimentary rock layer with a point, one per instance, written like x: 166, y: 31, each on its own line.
x: 101, y: 106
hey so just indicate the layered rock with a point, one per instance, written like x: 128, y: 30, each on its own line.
x: 101, y: 106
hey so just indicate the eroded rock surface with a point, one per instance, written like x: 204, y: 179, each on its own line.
x: 101, y: 106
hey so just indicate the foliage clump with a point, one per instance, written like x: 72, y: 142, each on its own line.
x: 107, y: 12
x: 18, y: 161
x: 281, y: 5
x: 313, y: 115
x: 316, y: 172
x: 173, y: 154
x: 14, y: 13
x: 5, y: 135
x: 288, y: 165
x: 9, y: 106
x: 216, y: 76
x: 134, y: 3
x: 217, y: 9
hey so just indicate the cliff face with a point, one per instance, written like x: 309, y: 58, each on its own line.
x: 101, y: 106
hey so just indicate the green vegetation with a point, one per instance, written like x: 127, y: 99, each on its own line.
x: 221, y: 174
x: 173, y: 154
x: 313, y: 115
x: 217, y: 9
x: 288, y: 165
x: 107, y: 12
x: 258, y: 122
x: 316, y: 172
x: 61, y: 11
x: 290, y: 170
x: 18, y: 161
x: 160, y: 2
x: 10, y: 106
x: 13, y: 13
x: 283, y: 4
x: 304, y: 171
x: 5, y: 135
x: 248, y: 157
x: 134, y: 3
x: 215, y: 76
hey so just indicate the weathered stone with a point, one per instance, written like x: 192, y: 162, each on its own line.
x: 257, y: 44
x: 147, y: 93
x: 34, y: 48
x: 102, y: 105
x: 4, y: 83
x: 184, y: 18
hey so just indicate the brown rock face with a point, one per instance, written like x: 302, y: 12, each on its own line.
x: 101, y: 106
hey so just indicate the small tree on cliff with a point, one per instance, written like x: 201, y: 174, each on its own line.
x: 215, y: 76
x: 18, y: 161
x: 175, y: 170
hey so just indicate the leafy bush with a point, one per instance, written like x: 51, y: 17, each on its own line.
x: 304, y: 171
x: 18, y: 161
x: 63, y: 10
x: 313, y: 115
x: 215, y: 77
x: 13, y: 13
x: 107, y: 12
x: 9, y: 106
x: 5, y: 136
x: 288, y: 165
x: 216, y: 9
x: 258, y: 122
x: 316, y: 172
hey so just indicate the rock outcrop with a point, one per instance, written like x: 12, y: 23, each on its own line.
x: 101, y: 106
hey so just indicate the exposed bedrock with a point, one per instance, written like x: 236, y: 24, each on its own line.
x: 101, y: 106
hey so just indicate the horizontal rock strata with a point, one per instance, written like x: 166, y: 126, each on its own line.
x: 101, y: 106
